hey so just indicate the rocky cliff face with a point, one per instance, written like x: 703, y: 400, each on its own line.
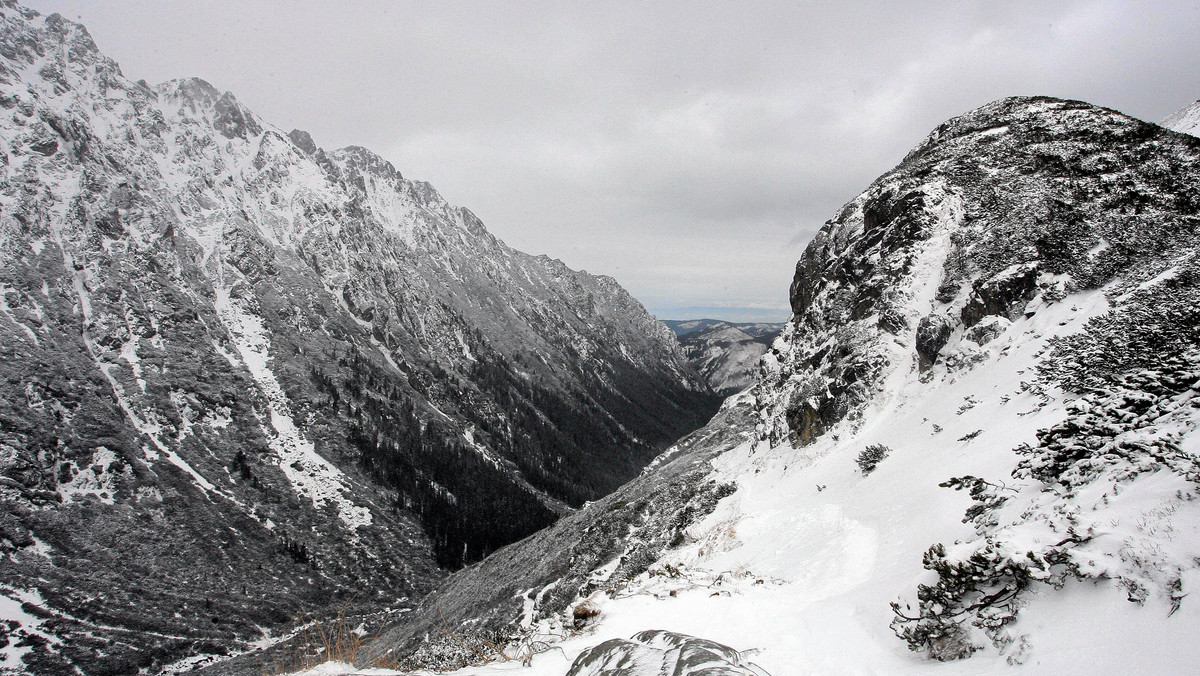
x: 1049, y: 227
x: 978, y: 434
x: 244, y: 378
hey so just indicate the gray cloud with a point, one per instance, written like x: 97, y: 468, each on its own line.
x: 687, y: 149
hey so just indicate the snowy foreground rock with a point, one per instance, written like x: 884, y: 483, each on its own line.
x: 1010, y: 321
x: 245, y: 380
x: 654, y: 652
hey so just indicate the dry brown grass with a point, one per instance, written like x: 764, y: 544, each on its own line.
x: 317, y: 643
x: 485, y: 650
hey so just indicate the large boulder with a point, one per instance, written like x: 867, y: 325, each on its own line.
x: 1004, y: 295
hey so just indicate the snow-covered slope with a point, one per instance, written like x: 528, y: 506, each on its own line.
x: 975, y: 442
x: 243, y: 378
x: 1185, y: 120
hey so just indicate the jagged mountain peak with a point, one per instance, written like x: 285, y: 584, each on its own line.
x: 15, y: 6
x: 227, y: 115
x: 67, y: 55
x: 195, y: 90
x: 360, y: 159
x: 304, y: 141
x: 74, y: 35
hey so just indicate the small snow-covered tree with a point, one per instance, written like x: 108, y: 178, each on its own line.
x: 870, y: 457
x: 980, y: 591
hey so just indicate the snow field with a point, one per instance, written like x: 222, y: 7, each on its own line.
x: 310, y: 474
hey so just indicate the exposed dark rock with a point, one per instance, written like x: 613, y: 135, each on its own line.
x: 894, y: 220
x: 1004, y: 295
x: 45, y: 146
x: 232, y: 120
x: 303, y: 141
x: 808, y: 421
x: 987, y: 330
x: 932, y: 333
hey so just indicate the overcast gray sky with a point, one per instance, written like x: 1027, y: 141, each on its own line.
x: 689, y: 149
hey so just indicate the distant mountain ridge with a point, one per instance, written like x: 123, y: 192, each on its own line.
x: 726, y: 354
x: 682, y: 327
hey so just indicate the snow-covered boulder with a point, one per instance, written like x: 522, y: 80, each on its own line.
x: 654, y: 652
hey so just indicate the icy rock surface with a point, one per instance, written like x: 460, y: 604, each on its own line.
x: 1024, y: 198
x: 243, y: 378
x: 654, y: 652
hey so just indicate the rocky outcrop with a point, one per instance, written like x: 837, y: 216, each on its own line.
x: 933, y: 331
x: 1001, y: 210
x: 1004, y: 295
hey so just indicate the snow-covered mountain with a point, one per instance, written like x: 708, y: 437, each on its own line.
x: 975, y: 442
x: 726, y: 354
x: 243, y: 378
x: 1185, y: 120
